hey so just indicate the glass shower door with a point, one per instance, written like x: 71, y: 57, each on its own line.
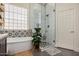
x: 44, y: 15
x: 48, y: 25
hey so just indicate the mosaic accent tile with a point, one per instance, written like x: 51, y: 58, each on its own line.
x: 18, y: 33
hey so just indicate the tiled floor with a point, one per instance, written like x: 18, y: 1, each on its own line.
x: 41, y: 54
x: 64, y: 52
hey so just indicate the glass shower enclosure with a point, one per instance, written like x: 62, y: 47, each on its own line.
x: 43, y: 14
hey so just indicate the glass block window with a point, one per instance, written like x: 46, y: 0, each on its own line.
x: 15, y: 17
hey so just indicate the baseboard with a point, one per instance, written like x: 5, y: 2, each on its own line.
x: 76, y: 50
x: 63, y: 47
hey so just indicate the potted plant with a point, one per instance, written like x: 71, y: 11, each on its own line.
x: 36, y: 39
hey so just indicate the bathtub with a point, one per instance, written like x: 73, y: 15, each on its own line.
x: 19, y: 44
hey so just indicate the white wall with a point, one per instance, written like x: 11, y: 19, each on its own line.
x: 77, y: 29
x: 23, y: 5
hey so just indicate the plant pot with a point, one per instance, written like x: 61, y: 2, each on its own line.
x: 36, y: 48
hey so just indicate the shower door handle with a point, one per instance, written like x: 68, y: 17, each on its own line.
x: 54, y: 41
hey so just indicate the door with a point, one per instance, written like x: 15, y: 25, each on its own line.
x: 65, y: 28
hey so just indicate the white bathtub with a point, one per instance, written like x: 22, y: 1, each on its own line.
x: 19, y: 44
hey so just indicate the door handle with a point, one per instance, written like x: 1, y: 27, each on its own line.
x: 71, y: 31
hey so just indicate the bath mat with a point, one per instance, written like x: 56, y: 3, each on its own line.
x: 53, y: 51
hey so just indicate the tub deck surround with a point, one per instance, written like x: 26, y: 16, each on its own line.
x: 18, y: 39
x: 17, y: 33
x: 18, y: 44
